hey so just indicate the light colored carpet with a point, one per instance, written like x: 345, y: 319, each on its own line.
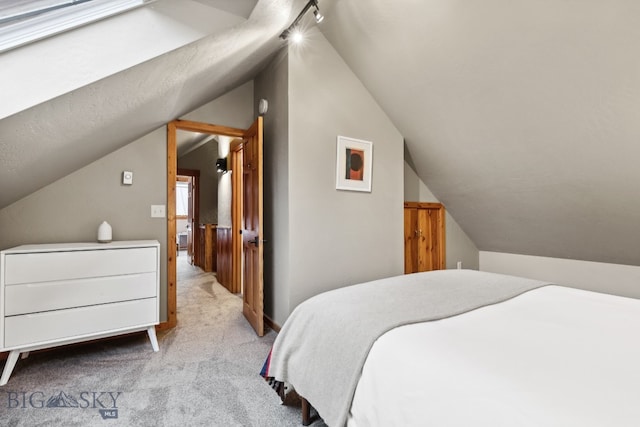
x: 206, y: 373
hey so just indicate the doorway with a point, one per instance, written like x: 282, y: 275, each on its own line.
x: 188, y: 214
x: 232, y: 244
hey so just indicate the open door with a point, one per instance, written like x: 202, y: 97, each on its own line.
x: 246, y: 254
x: 252, y: 227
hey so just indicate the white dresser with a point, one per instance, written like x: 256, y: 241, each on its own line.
x: 57, y: 294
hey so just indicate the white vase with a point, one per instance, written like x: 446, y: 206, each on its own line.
x: 104, y: 232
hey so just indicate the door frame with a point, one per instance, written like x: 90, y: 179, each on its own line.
x: 172, y: 172
x: 195, y: 194
x: 235, y: 165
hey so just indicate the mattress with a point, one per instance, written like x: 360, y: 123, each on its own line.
x: 553, y: 356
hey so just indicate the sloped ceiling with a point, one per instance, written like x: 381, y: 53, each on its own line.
x: 523, y: 118
x: 47, y: 141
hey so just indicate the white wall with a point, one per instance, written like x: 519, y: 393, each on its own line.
x: 616, y: 279
x: 459, y: 246
x: 338, y: 238
x: 181, y: 225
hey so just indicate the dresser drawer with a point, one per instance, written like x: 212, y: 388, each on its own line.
x: 44, y: 296
x: 56, y: 266
x: 39, y: 328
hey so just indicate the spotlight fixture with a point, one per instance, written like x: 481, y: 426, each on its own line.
x: 221, y: 165
x: 316, y: 13
x: 297, y: 36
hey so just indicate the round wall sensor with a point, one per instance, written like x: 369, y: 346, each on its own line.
x: 263, y: 106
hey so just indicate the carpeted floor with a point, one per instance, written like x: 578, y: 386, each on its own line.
x: 206, y: 373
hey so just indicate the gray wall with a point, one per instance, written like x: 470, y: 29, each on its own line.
x: 319, y: 238
x: 522, y: 117
x: 592, y: 276
x: 72, y: 208
x: 204, y: 159
x: 459, y: 246
x: 272, y: 84
x: 233, y: 109
x: 338, y: 238
x: 224, y: 185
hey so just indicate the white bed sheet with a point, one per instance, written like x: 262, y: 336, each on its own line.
x: 553, y: 356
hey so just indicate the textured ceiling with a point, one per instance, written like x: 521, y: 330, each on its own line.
x: 43, y: 143
x: 523, y: 118
x: 237, y: 7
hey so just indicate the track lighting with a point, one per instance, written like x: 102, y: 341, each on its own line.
x: 297, y: 36
x: 318, y: 15
x: 293, y: 29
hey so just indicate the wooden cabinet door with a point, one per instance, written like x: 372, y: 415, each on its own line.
x: 424, y: 236
x: 410, y: 240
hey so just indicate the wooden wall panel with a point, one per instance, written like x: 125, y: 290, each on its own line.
x: 207, y: 252
x: 224, y: 252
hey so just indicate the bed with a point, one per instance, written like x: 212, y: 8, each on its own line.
x: 460, y: 348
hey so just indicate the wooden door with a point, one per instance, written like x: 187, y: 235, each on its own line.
x: 252, y: 228
x: 424, y: 237
x: 192, y: 226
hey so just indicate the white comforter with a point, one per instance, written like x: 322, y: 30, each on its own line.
x: 553, y: 356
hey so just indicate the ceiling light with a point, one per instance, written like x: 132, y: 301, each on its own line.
x: 318, y: 15
x: 291, y: 30
x: 297, y: 36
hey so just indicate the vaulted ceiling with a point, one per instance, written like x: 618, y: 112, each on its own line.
x: 523, y: 118
x: 66, y: 103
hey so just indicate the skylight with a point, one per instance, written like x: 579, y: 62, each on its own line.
x: 25, y: 21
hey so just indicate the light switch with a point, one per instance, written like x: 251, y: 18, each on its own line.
x: 157, y: 211
x: 127, y: 177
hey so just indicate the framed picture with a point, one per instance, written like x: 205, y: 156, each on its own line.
x: 353, y: 167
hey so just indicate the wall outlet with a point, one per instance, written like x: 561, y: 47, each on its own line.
x: 157, y: 211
